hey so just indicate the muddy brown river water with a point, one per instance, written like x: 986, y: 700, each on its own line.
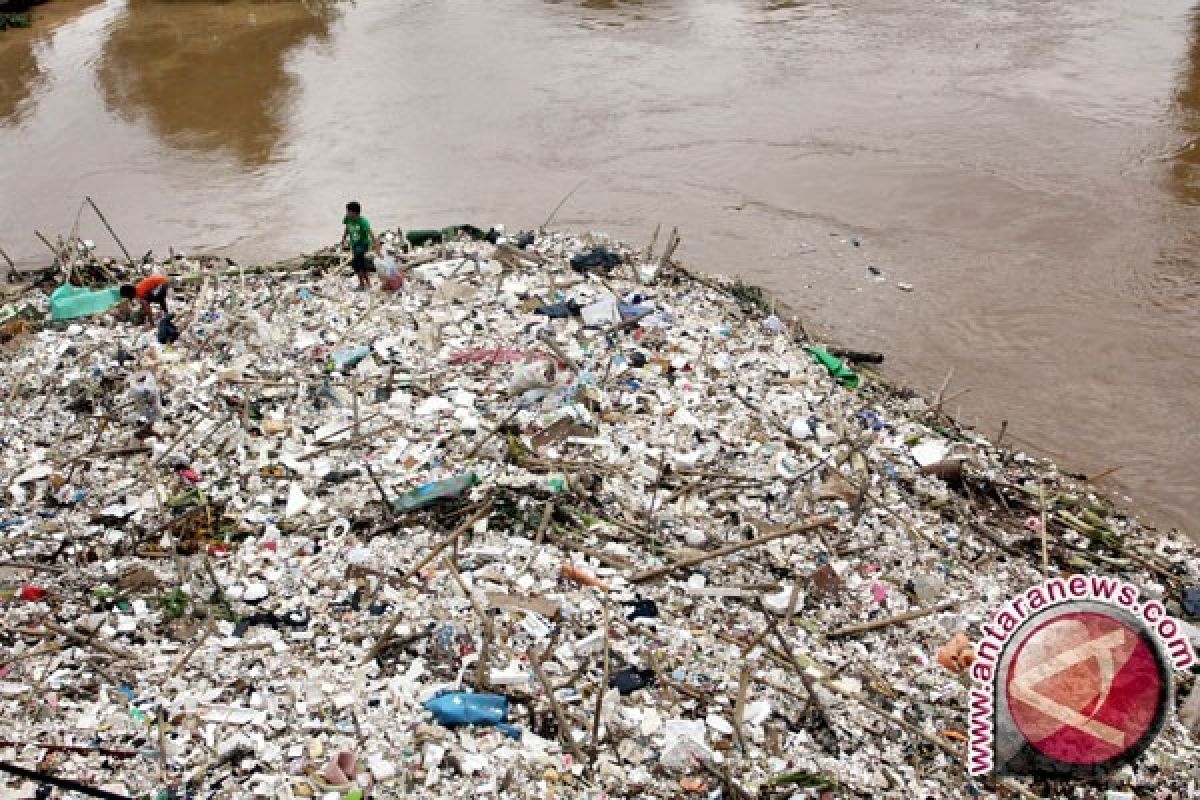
x: 1030, y: 167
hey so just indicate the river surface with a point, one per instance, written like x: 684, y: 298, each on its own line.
x: 1030, y: 167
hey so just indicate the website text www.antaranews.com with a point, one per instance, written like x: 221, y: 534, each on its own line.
x: 1172, y: 635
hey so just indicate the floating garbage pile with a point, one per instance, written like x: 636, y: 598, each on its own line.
x: 554, y: 519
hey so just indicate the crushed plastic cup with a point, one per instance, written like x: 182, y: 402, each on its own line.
x: 341, y: 769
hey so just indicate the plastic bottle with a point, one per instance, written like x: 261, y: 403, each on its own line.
x: 430, y: 493
x: 837, y: 368
x: 471, y: 708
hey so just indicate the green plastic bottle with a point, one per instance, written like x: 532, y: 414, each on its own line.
x: 430, y: 493
x: 837, y: 368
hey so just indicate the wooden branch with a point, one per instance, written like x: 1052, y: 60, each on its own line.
x: 481, y: 664
x: 602, y: 690
x: 192, y: 651
x: 899, y: 619
x: 30, y: 565
x: 357, y: 440
x: 492, y: 433
x: 859, y: 356
x: 388, y: 511
x: 117, y: 239
x: 548, y: 340
x: 820, y: 522
x: 564, y: 729
x: 89, y: 641
x: 178, y: 439
x: 672, y: 242
x: 739, y: 707
x: 57, y: 255
x: 607, y: 559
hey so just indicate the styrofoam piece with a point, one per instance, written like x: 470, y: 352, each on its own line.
x: 930, y: 451
x: 297, y: 501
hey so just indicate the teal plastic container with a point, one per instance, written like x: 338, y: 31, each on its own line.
x: 72, y: 302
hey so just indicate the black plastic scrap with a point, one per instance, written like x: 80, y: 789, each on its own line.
x: 630, y: 679
x: 291, y: 619
x: 643, y: 607
x: 598, y: 259
x: 167, y: 332
x: 559, y: 310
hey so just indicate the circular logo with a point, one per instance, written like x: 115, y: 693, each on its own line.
x: 1082, y: 688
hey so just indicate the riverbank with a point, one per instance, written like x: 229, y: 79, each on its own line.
x: 683, y: 552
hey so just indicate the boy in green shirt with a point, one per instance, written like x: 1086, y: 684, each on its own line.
x: 360, y: 237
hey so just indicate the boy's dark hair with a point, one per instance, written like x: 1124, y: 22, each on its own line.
x: 128, y: 291
x: 353, y: 207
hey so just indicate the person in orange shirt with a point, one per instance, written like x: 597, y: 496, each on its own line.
x: 148, y: 290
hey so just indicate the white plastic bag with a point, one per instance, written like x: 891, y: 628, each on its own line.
x: 602, y: 312
x: 532, y: 375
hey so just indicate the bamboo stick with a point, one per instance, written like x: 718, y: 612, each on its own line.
x: 481, y: 665
x: 650, y: 574
x: 899, y: 619
x: 739, y: 706
x: 564, y: 729
x: 602, y: 689
x: 45, y: 241
x: 117, y: 239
